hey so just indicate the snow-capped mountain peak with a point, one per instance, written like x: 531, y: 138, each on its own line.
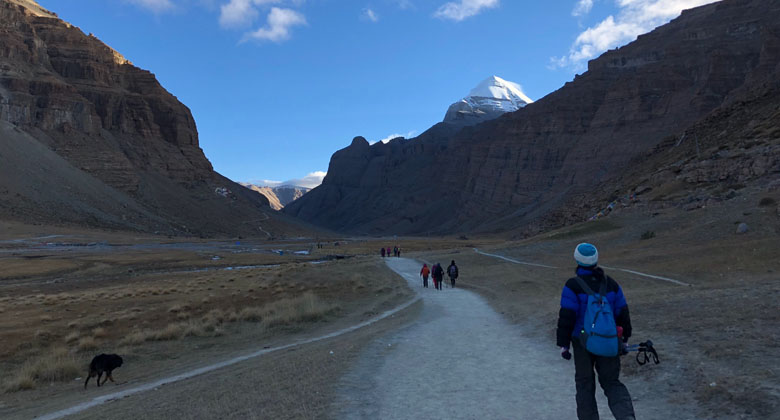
x: 498, y: 88
x: 493, y: 97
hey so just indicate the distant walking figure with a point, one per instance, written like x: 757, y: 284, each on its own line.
x: 388, y: 252
x: 399, y: 252
x: 424, y: 273
x: 452, y: 271
x: 591, y: 293
x: 395, y: 251
x: 438, y: 276
x: 382, y: 251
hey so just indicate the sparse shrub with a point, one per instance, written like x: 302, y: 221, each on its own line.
x: 170, y: 332
x: 134, y: 338
x: 306, y: 308
x: 55, y: 366
x: 87, y: 343
x: 99, y: 332
x: 649, y: 234
x: 251, y: 314
x: 72, y: 337
x: 767, y: 201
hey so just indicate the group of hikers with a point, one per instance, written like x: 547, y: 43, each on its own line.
x: 386, y: 252
x: 437, y: 273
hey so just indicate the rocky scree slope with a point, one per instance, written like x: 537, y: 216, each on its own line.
x: 90, y: 139
x: 514, y: 171
x: 280, y: 196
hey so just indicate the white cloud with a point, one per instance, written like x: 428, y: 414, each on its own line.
x: 463, y: 9
x: 634, y: 18
x: 395, y: 135
x: 405, y: 4
x: 582, y: 8
x: 278, y: 27
x: 241, y: 13
x: 370, y: 15
x: 156, y: 6
x: 311, y: 180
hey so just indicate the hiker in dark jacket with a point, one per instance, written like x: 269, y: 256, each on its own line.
x: 452, y: 271
x: 574, y: 301
x: 438, y: 276
x: 382, y: 251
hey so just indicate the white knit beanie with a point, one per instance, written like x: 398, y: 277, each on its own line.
x: 586, y: 255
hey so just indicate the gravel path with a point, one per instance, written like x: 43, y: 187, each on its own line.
x: 460, y: 360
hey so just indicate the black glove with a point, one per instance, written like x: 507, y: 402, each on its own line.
x: 565, y: 353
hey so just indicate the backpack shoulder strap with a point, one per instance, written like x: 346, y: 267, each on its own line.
x: 585, y: 286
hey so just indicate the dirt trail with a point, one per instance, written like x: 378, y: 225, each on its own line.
x: 461, y: 360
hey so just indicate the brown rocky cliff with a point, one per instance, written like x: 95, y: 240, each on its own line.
x: 88, y: 139
x: 506, y: 173
x: 74, y: 90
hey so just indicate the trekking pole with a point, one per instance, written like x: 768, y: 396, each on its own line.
x: 644, y: 352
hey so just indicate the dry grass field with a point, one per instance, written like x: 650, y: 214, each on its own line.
x: 168, y: 306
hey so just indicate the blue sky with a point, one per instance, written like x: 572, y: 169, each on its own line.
x: 277, y: 86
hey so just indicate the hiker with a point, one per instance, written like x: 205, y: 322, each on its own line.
x: 388, y: 252
x: 399, y: 252
x: 598, y: 346
x: 438, y: 276
x: 382, y: 251
x: 395, y: 251
x: 452, y: 271
x: 424, y: 273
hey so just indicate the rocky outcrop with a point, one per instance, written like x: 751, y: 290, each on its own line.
x: 75, y: 89
x: 511, y: 171
x: 279, y: 196
x: 113, y: 147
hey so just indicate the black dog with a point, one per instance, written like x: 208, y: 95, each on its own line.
x: 103, y: 363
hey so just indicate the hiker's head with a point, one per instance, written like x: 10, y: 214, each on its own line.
x: 453, y: 262
x: 586, y: 255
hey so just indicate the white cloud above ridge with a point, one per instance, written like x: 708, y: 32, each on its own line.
x: 369, y: 15
x: 241, y: 13
x: 278, y: 26
x: 156, y: 6
x: 395, y: 135
x: 311, y: 180
x: 634, y: 18
x: 464, y: 9
x: 582, y: 8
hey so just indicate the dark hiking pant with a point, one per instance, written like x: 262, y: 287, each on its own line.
x: 608, y: 369
x: 452, y: 280
x: 425, y: 281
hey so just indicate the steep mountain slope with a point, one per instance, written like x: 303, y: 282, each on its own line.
x: 280, y: 196
x: 492, y: 98
x: 517, y: 169
x: 90, y: 139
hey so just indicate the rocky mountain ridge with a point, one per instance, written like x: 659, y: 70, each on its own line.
x: 278, y: 196
x: 114, y: 149
x: 521, y: 168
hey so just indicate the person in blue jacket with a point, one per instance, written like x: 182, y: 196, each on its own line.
x: 570, y: 322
